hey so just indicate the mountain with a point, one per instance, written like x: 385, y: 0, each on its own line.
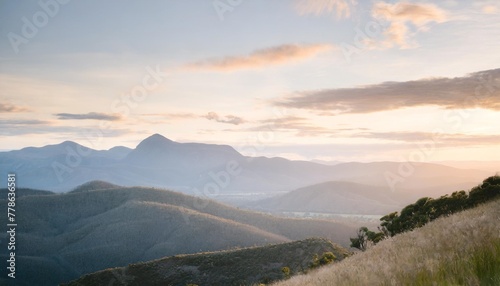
x: 64, y: 166
x: 460, y: 249
x: 94, y: 185
x: 249, y: 266
x: 340, y: 197
x: 99, y: 225
x: 335, y: 197
x: 157, y: 151
x: 215, y: 171
x: 490, y: 166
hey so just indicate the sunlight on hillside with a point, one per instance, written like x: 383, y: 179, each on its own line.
x: 462, y: 249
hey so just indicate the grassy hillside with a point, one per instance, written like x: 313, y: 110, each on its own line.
x: 461, y: 249
x: 80, y: 232
x: 237, y: 267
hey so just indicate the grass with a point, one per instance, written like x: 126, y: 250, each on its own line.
x: 482, y: 267
x: 462, y: 249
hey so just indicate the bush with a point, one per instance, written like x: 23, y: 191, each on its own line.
x: 327, y: 258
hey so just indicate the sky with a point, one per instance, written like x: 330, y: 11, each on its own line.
x: 333, y: 80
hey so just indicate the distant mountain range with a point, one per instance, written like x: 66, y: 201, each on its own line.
x: 100, y: 225
x: 206, y: 169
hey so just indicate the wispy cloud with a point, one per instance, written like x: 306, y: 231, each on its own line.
x: 341, y: 8
x: 9, y: 108
x: 440, y: 138
x: 172, y: 116
x: 14, y: 127
x: 261, y: 58
x: 480, y: 89
x: 18, y: 122
x: 87, y: 116
x: 299, y: 125
x: 229, y: 119
x: 405, y: 19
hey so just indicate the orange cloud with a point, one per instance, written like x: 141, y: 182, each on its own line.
x: 401, y: 15
x: 9, y: 108
x: 261, y: 58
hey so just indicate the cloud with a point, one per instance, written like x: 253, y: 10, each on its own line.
x: 229, y: 119
x: 14, y: 127
x: 166, y: 118
x: 456, y: 139
x: 480, y: 89
x: 261, y: 58
x: 179, y: 115
x: 342, y: 8
x: 298, y: 125
x: 8, y: 108
x: 18, y: 122
x: 90, y: 115
x: 404, y: 16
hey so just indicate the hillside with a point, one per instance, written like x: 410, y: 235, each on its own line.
x: 335, y: 197
x: 80, y: 232
x: 461, y: 249
x: 236, y: 267
x: 341, y: 197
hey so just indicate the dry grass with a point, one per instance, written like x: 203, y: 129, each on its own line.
x: 462, y: 249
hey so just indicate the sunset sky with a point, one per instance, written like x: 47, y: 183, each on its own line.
x: 303, y: 79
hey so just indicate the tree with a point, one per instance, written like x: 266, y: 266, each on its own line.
x: 427, y: 209
x: 390, y: 224
x: 327, y: 258
x: 375, y: 237
x: 360, y: 240
x: 366, y: 236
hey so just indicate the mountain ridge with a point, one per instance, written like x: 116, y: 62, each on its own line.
x: 190, y: 167
x: 247, y: 266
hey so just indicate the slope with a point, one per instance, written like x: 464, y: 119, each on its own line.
x: 236, y: 267
x: 340, y: 197
x: 462, y: 249
x: 335, y: 197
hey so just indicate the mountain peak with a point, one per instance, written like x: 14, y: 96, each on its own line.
x: 154, y: 141
x: 157, y: 136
